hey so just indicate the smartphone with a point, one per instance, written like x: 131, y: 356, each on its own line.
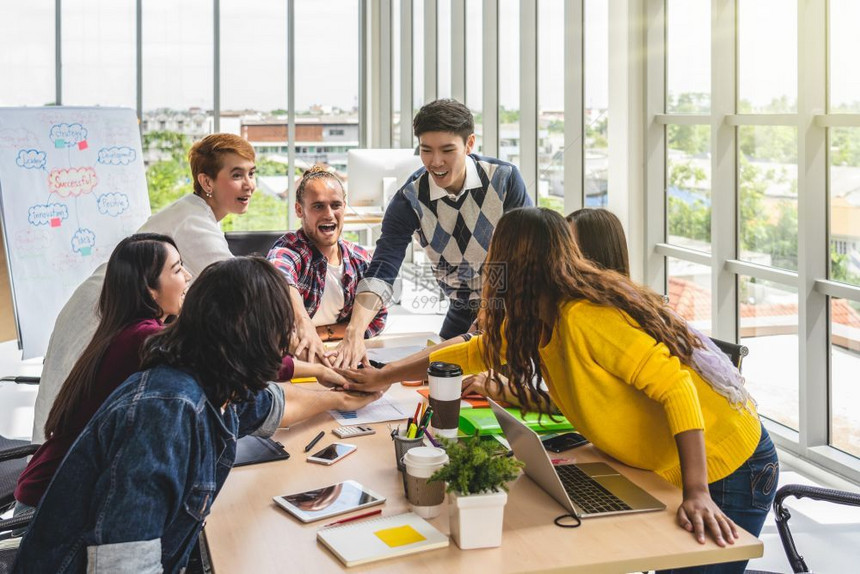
x: 564, y: 441
x: 332, y: 453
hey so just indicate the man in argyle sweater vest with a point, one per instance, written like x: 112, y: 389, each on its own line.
x: 452, y: 206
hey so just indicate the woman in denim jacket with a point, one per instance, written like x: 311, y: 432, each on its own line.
x: 132, y: 494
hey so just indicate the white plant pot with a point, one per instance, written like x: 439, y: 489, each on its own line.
x: 476, y: 520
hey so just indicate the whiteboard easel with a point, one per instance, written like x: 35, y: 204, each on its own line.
x: 72, y: 185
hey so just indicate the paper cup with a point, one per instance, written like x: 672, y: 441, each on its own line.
x: 425, y: 498
x: 445, y: 389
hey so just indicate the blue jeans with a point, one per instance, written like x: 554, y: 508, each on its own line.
x: 21, y: 508
x: 459, y: 318
x: 746, y: 496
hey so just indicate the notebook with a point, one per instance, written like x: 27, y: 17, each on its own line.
x: 485, y: 422
x: 386, y: 537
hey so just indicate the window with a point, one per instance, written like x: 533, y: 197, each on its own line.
x: 688, y: 145
x: 844, y: 226
x: 27, y: 53
x: 596, y: 113
x: 509, y: 81
x: 475, y: 67
x: 99, y: 53
x: 177, y: 84
x: 551, y: 104
x: 254, y: 102
x: 759, y: 175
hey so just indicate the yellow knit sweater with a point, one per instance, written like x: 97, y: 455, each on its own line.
x: 628, y: 395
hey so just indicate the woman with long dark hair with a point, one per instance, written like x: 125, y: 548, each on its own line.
x: 623, y: 368
x: 135, y: 488
x: 144, y: 285
x: 600, y: 237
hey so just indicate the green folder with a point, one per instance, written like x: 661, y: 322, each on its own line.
x: 484, y: 422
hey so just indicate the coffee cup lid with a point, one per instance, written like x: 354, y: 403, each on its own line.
x: 440, y: 369
x: 426, y: 455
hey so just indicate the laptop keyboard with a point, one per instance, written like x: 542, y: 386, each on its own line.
x: 586, y: 492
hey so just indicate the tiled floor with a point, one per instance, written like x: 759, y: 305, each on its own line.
x: 828, y: 536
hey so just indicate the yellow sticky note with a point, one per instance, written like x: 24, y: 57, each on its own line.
x: 303, y: 380
x: 399, y: 536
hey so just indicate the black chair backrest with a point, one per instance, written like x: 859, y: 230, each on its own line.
x: 251, y: 242
x: 735, y: 352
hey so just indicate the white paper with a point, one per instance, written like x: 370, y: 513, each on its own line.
x: 378, y: 411
x: 391, y: 354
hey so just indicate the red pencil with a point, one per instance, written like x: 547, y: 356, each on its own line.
x: 356, y: 517
x: 415, y: 419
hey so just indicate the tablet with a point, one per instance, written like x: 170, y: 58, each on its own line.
x: 328, y: 501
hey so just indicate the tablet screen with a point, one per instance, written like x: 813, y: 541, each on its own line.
x: 328, y: 501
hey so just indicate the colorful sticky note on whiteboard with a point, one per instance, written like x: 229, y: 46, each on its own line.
x: 399, y: 536
x: 85, y: 251
x: 83, y: 145
x: 60, y: 143
x: 56, y: 221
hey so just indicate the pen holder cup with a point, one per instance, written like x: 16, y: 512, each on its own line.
x: 403, y: 444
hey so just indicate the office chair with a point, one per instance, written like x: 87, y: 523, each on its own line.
x: 7, y: 550
x: 798, y: 564
x: 734, y: 351
x: 251, y: 242
x: 13, y: 454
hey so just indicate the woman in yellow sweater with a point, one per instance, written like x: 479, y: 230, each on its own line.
x: 622, y: 367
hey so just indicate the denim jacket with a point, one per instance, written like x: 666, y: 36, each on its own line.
x: 132, y: 493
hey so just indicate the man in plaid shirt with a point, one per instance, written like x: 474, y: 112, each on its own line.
x: 322, y: 269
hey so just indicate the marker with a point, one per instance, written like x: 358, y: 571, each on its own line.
x: 315, y: 440
x: 432, y: 440
x: 357, y: 517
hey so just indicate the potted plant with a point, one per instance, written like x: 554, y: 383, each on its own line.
x: 476, y: 477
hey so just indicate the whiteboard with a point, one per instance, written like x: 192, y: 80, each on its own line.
x: 72, y: 185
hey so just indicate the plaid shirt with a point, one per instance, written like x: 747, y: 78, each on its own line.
x: 305, y: 269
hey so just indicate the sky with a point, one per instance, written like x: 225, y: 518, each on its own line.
x: 99, y: 59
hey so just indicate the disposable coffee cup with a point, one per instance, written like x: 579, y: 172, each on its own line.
x: 446, y: 382
x: 425, y: 498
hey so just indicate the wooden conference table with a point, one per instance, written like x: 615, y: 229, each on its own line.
x: 248, y: 532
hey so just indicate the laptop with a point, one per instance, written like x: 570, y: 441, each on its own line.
x: 586, y: 489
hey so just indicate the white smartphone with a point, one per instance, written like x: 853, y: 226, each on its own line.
x: 332, y: 453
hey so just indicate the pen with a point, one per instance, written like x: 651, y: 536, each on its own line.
x: 351, y: 518
x: 315, y: 440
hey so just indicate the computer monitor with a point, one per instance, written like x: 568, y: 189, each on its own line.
x: 375, y: 175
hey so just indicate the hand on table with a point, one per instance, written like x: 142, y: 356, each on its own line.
x: 699, y: 514
x: 477, y: 384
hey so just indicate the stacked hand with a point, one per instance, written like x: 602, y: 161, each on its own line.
x: 365, y: 379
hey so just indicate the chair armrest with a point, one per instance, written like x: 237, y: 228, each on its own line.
x: 16, y: 522
x: 18, y: 452
x: 798, y: 564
